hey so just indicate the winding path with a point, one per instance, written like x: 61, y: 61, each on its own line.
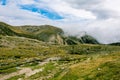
x: 28, y: 71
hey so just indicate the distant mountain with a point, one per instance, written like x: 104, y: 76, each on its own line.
x: 82, y: 40
x: 115, y: 44
x: 46, y: 33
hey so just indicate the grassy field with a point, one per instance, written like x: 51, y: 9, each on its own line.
x: 57, y: 62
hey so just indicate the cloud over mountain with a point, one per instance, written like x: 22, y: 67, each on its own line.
x: 98, y: 18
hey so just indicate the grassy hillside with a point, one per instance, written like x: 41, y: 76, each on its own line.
x: 105, y: 67
x: 70, y: 62
x: 8, y: 30
x: 45, y: 33
x: 5, y: 29
x: 39, y: 29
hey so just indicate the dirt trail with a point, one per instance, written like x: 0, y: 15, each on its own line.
x: 28, y: 71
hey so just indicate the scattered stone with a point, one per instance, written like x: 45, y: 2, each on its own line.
x: 99, y: 69
x: 20, y: 79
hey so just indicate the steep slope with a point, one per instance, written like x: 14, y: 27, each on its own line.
x: 89, y: 39
x: 5, y: 29
x: 71, y: 40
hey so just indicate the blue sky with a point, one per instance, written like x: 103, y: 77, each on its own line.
x: 47, y: 13
x: 3, y: 2
x: 50, y: 14
x: 99, y: 18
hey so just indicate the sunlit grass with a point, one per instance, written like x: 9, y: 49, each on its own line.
x: 84, y: 61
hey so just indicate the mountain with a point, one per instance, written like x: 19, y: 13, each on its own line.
x: 84, y: 39
x: 6, y: 29
x: 46, y: 33
x: 115, y: 44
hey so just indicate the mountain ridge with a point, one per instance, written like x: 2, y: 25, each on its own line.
x: 45, y: 33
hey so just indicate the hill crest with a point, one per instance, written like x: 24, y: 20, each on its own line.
x: 46, y: 33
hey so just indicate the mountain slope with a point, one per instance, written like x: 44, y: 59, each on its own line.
x: 5, y: 29
x: 115, y: 44
x: 84, y: 39
x: 89, y: 39
x: 45, y: 33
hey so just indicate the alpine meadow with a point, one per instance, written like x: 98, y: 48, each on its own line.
x: 59, y: 40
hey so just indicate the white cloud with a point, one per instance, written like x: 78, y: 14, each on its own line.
x: 112, y: 6
x: 27, y: 1
x: 106, y: 31
x: 99, y: 18
x: 65, y: 8
x: 16, y: 16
